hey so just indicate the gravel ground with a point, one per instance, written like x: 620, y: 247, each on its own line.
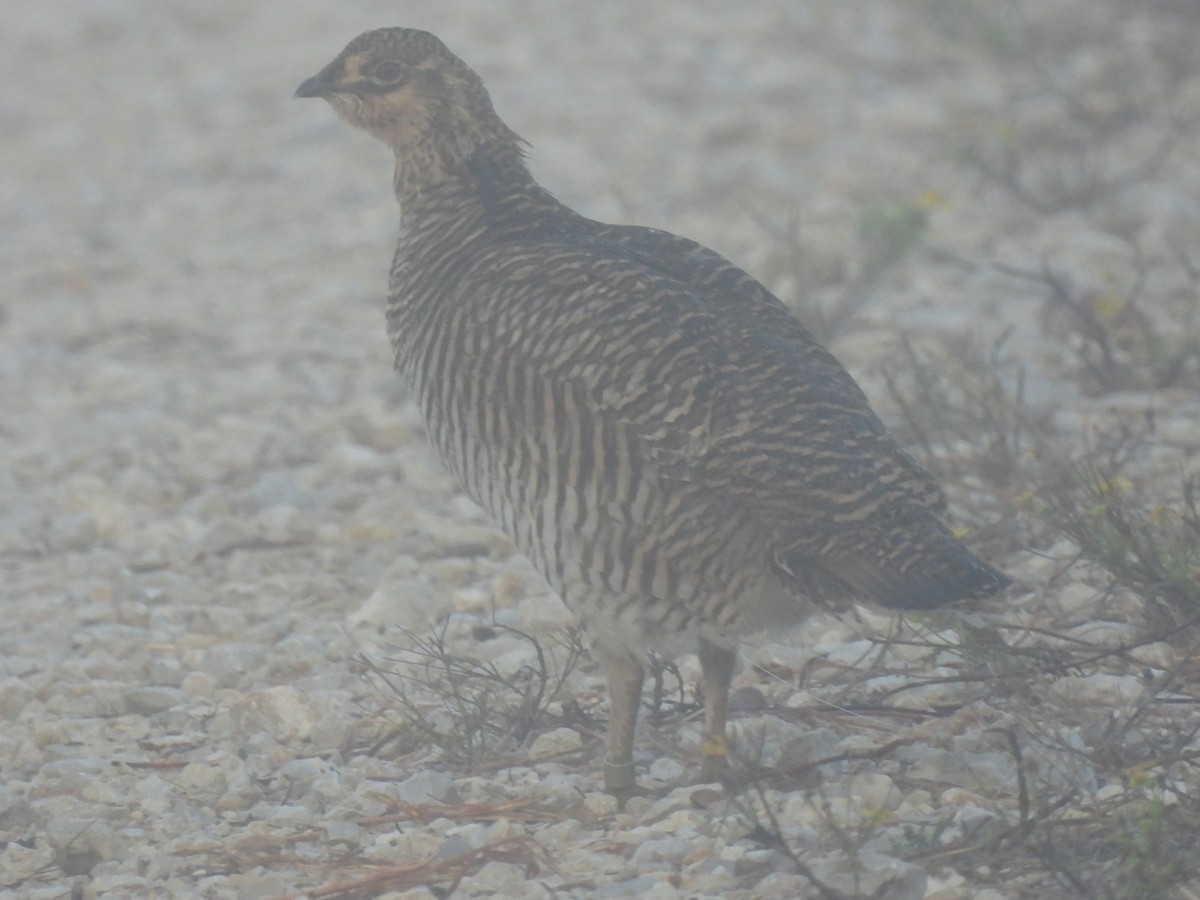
x: 216, y: 507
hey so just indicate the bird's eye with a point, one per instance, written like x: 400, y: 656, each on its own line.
x: 388, y: 72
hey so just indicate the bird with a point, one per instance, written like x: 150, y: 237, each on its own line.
x: 680, y: 458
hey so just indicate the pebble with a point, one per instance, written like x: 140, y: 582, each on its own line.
x: 874, y: 876
x: 146, y: 701
x: 15, y: 694
x: 285, y: 713
x: 1102, y: 633
x: 560, y: 740
x: 654, y: 854
x: 79, y: 845
x: 876, y: 791
x: 600, y: 805
x: 1100, y: 689
x: 16, y: 813
x: 72, y: 533
x: 781, y: 886
x: 228, y: 664
x: 1075, y: 599
x: 425, y: 787
x: 665, y: 770
x: 392, y: 605
x: 805, y: 747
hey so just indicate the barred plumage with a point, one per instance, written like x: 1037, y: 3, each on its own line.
x: 678, y: 456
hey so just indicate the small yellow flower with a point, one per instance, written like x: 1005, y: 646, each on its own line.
x: 1106, y: 305
x: 1120, y: 483
x: 1139, y: 777
x: 931, y: 199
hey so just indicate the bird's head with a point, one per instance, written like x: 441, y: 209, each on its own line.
x: 406, y: 88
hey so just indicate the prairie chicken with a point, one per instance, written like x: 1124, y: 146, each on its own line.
x: 677, y: 455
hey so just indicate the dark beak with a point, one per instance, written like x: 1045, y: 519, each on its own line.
x: 323, y: 83
x: 316, y: 86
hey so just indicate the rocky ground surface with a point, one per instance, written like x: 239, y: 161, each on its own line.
x: 256, y: 645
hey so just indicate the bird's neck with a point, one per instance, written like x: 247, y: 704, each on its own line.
x: 490, y: 174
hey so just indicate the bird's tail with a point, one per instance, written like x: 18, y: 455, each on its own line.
x: 919, y: 567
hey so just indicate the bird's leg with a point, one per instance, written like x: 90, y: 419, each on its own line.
x: 716, y: 666
x: 625, y: 673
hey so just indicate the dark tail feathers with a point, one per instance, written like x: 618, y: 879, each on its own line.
x: 919, y: 568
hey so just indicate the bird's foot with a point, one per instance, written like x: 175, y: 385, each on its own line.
x: 715, y: 766
x: 620, y: 780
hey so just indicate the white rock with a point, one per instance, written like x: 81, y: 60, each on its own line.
x: 16, y: 813
x: 148, y: 700
x: 202, y: 778
x: 1105, y: 633
x: 470, y: 836
x: 81, y: 844
x: 600, y: 805
x: 15, y: 694
x: 355, y: 458
x: 406, y: 847
x: 72, y: 533
x: 874, y: 790
x: 402, y: 603
x: 1116, y: 691
x: 228, y: 664
x: 799, y: 810
x: 662, y: 890
x: 272, y: 489
x: 850, y: 654
x: 640, y: 886
x: 426, y: 786
x: 659, y: 853
x: 715, y: 880
x: 198, y: 685
x: 665, y: 769
x: 784, y: 656
x: 781, y: 886
x: 1159, y: 655
x: 807, y: 746
x: 871, y: 875
x: 284, y: 712
x: 166, y: 671
x: 560, y: 740
x: 348, y: 833
x: 1075, y: 598
x: 221, y: 620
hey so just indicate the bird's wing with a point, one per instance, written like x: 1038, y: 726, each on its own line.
x: 721, y: 384
x: 684, y: 370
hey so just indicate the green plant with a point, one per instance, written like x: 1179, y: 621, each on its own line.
x: 1149, y: 546
x: 1148, y: 868
x: 1117, y: 344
